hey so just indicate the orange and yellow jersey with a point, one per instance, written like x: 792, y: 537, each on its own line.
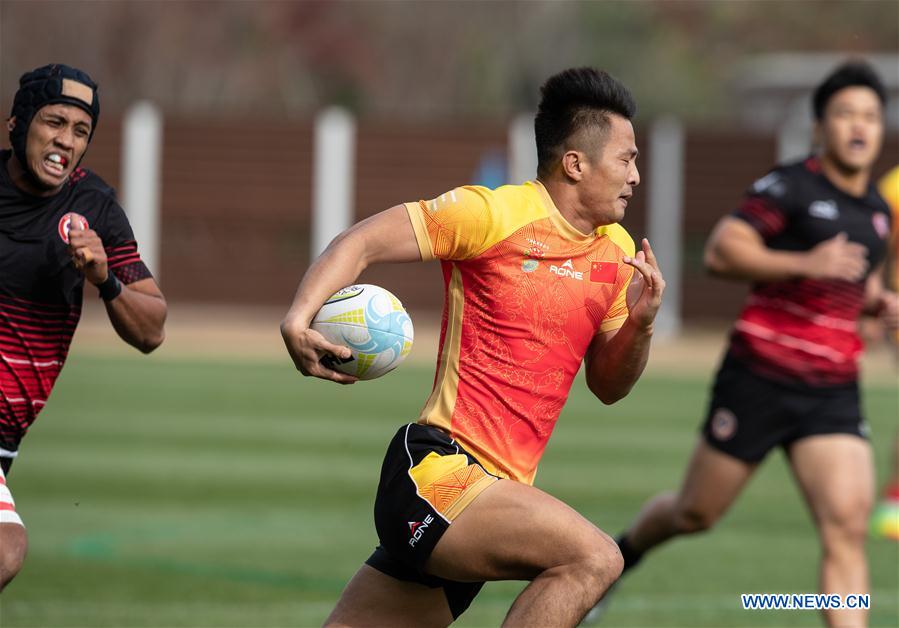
x: 525, y: 294
x: 888, y: 186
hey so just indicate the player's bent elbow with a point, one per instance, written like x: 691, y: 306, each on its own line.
x: 608, y: 399
x: 13, y: 547
x: 714, y: 262
x: 607, y: 396
x: 10, y: 565
x: 150, y: 342
x: 155, y: 342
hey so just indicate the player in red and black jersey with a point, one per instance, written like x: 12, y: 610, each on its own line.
x: 811, y: 238
x: 801, y: 326
x: 59, y: 226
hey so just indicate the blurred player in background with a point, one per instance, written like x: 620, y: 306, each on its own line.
x: 811, y: 238
x: 885, y: 521
x: 59, y: 225
x: 538, y: 278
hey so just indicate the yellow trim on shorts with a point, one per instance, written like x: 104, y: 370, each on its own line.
x: 449, y: 483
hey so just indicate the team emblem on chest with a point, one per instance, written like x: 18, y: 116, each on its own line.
x: 881, y: 225
x: 65, y: 223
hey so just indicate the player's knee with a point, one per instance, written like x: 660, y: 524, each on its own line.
x: 846, y: 527
x: 690, y: 520
x: 600, y: 563
x: 613, y: 561
x: 13, y: 547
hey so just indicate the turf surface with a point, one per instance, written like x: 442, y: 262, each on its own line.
x: 189, y: 493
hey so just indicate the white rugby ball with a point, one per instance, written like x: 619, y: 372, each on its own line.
x: 372, y: 323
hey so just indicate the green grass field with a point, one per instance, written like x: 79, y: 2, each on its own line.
x: 189, y: 493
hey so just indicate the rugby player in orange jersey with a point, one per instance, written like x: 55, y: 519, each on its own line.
x: 538, y: 278
x: 885, y: 519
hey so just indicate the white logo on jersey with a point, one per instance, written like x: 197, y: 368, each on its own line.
x: 824, y: 209
x: 567, y: 270
x: 65, y: 225
x: 434, y: 205
x: 771, y: 183
x: 765, y: 182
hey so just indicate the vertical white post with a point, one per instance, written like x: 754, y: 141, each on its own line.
x: 522, y: 149
x: 793, y: 136
x: 665, y: 215
x: 333, y: 176
x: 141, y: 177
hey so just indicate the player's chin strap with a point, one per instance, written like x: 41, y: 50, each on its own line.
x: 50, y: 85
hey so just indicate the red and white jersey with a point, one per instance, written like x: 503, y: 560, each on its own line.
x: 40, y: 290
x: 806, y: 330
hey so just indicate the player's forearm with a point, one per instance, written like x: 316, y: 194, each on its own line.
x: 138, y: 318
x: 874, y: 292
x: 384, y: 237
x: 339, y: 266
x: 611, y: 376
x: 753, y: 262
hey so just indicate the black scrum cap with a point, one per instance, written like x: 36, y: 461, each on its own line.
x: 48, y: 85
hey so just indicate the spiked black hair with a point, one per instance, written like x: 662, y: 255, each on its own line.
x: 573, y: 100
x: 851, y: 74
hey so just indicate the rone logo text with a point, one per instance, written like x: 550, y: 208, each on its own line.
x: 567, y: 270
x: 417, y: 529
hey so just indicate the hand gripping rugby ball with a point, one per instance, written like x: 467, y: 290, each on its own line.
x: 372, y: 323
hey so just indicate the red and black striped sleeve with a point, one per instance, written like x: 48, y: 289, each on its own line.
x: 125, y: 262
x: 121, y: 247
x: 764, y: 207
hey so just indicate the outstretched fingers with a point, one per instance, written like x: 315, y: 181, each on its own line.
x: 639, y: 262
x: 649, y: 254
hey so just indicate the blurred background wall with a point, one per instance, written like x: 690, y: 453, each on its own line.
x: 433, y: 89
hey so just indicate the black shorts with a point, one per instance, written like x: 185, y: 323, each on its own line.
x: 750, y: 414
x: 427, y: 479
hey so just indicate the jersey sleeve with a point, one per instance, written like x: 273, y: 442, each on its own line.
x: 765, y: 206
x: 889, y: 190
x: 120, y: 245
x: 618, y: 311
x: 457, y: 225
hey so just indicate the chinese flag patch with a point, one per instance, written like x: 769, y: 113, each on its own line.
x: 603, y: 272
